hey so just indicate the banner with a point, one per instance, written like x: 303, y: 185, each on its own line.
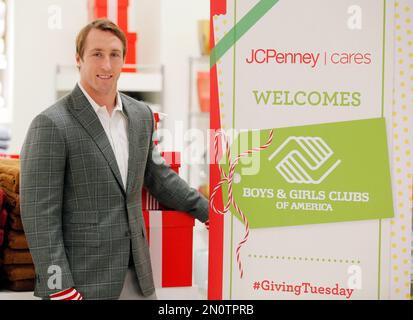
x: 305, y: 195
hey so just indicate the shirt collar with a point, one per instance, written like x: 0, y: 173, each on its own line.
x: 96, y: 107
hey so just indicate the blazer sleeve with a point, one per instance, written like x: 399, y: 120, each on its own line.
x: 169, y: 188
x: 43, y: 159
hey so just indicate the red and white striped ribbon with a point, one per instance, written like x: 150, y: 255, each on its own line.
x: 229, y: 179
x: 69, y: 294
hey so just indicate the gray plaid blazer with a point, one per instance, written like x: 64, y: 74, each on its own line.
x: 75, y: 210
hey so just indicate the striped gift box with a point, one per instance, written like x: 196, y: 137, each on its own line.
x: 173, y: 159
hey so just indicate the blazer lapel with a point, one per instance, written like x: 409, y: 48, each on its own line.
x: 133, y: 129
x: 84, y: 113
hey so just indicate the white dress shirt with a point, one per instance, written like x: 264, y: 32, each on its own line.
x: 116, y: 128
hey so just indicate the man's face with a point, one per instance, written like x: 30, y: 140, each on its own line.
x: 102, y: 62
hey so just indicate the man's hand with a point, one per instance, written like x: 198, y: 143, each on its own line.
x: 68, y: 294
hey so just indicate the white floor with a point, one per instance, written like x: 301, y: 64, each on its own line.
x: 180, y: 293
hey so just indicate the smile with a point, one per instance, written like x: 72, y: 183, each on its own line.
x: 104, y: 77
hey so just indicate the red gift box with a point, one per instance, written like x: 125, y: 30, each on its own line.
x: 149, y: 202
x: 115, y: 10
x: 130, y: 59
x: 170, y: 237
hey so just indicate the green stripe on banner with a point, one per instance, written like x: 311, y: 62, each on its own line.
x: 239, y: 29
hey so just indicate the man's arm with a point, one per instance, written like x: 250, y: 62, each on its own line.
x: 169, y: 189
x: 43, y: 160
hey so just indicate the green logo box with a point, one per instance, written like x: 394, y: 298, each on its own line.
x: 313, y: 174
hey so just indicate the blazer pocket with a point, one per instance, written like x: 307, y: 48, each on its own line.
x: 87, y: 241
x: 84, y: 217
x: 81, y: 229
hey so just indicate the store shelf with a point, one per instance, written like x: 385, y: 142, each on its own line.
x: 199, y: 114
x: 197, y: 173
x: 148, y: 79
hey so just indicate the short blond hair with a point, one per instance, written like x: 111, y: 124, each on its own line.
x: 103, y: 25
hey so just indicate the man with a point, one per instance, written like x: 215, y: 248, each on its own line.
x: 83, y: 165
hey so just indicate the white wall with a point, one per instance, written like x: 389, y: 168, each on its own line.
x: 148, y: 28
x: 179, y: 40
x: 167, y: 34
x: 37, y: 51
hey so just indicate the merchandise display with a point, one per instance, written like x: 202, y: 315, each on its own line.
x: 21, y: 285
x: 3, y: 219
x: 15, y: 222
x: 19, y: 272
x: 10, y: 175
x: 11, y: 256
x: 170, y: 234
x: 17, y: 269
x: 17, y: 240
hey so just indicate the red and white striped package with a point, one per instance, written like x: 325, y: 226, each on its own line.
x: 149, y: 202
x: 173, y: 159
